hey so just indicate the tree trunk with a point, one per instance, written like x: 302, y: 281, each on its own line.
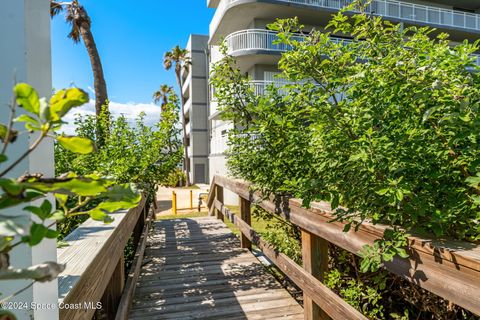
x: 100, y: 86
x: 186, y: 162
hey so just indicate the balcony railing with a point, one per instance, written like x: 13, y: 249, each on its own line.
x: 260, y: 39
x: 399, y: 10
x: 477, y: 59
x: 264, y: 40
x: 255, y: 39
x: 260, y: 86
x: 218, y: 145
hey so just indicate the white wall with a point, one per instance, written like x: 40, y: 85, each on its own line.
x: 26, y: 57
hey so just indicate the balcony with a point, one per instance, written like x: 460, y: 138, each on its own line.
x: 190, y: 151
x: 260, y: 47
x: 261, y: 41
x: 390, y: 9
x: 255, y: 41
x: 260, y: 86
x: 218, y: 145
x: 257, y: 46
x: 186, y: 86
x: 477, y: 59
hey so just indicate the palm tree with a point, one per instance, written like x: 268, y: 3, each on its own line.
x: 178, y: 57
x: 162, y: 95
x: 77, y: 17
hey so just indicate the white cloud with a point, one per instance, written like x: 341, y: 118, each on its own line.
x: 130, y: 110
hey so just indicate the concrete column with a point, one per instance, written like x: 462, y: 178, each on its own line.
x: 26, y: 57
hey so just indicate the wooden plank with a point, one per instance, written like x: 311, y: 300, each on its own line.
x: 113, y: 293
x: 332, y: 304
x: 172, y: 300
x: 219, y: 197
x: 246, y: 215
x: 92, y: 257
x: 129, y: 291
x: 214, y: 283
x: 211, y: 196
x: 423, y: 269
x: 222, y: 307
x: 431, y: 262
x: 315, y: 262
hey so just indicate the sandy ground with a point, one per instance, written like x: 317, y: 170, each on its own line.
x: 164, y: 200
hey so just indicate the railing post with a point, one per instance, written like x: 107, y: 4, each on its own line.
x: 315, y: 261
x: 245, y: 215
x: 191, y: 199
x: 113, y: 292
x: 174, y: 202
x: 137, y: 232
x: 219, y: 197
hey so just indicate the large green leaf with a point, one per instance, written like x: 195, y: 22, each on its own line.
x: 27, y: 98
x: 28, y: 120
x: 11, y: 186
x: 43, y: 212
x: 64, y: 100
x: 112, y: 206
x: 123, y: 192
x: 77, y: 144
x: 76, y: 186
x: 100, y: 215
x: 7, y: 201
x: 37, y: 233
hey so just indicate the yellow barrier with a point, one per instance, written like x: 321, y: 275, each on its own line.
x: 191, y: 199
x: 174, y: 202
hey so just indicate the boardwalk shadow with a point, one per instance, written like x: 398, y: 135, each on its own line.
x: 198, y: 271
x: 163, y: 205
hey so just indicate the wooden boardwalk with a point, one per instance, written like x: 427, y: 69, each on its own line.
x: 195, y: 269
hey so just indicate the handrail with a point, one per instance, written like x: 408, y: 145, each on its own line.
x: 95, y: 264
x: 404, y: 11
x: 333, y: 305
x: 450, y: 269
x: 130, y: 286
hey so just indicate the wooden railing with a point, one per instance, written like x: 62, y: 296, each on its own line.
x: 94, y: 258
x: 450, y: 269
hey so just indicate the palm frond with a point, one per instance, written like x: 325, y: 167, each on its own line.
x: 167, y: 64
x: 55, y: 8
x: 157, y: 96
x: 75, y: 33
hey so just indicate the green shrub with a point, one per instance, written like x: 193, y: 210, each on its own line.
x: 386, y: 125
x: 176, y: 178
x: 131, y: 153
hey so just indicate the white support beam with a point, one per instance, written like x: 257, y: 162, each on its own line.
x: 26, y: 57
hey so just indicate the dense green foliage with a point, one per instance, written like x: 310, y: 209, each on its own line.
x: 34, y: 191
x: 386, y: 125
x: 177, y: 178
x: 135, y: 153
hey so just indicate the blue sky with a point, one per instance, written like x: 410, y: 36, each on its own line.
x: 131, y: 36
